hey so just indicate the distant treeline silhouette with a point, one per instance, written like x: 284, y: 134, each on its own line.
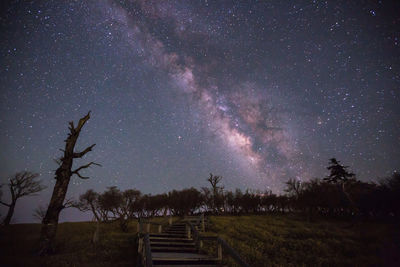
x: 339, y: 194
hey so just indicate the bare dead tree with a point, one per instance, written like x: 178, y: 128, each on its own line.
x: 63, y: 175
x: 21, y: 184
x: 217, y: 190
x: 39, y: 213
x: 214, y: 181
x: 293, y: 187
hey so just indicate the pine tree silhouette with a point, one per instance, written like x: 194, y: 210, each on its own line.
x: 339, y: 173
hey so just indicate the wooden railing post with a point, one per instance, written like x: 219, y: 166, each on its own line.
x: 219, y: 256
x: 148, y: 227
x: 188, y: 231
x: 203, y: 228
x: 140, y: 245
x: 149, y: 260
x: 160, y: 228
x: 170, y: 220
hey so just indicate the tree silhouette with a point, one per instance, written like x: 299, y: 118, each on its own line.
x: 115, y: 203
x: 338, y: 172
x: 341, y: 177
x: 63, y: 175
x: 216, y: 190
x: 90, y: 201
x: 389, y: 195
x: 293, y: 187
x: 184, y: 202
x: 130, y: 202
x: 20, y: 185
x: 39, y: 213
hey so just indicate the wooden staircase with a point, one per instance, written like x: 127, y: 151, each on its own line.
x: 173, y: 247
x: 179, y: 245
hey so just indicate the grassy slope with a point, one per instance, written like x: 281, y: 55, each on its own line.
x: 290, y: 241
x: 73, y: 243
x: 271, y: 240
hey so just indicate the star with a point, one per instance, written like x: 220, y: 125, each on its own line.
x: 257, y: 92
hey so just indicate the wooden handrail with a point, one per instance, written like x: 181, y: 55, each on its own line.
x: 141, y: 221
x: 231, y: 252
x: 222, y: 245
x: 149, y: 259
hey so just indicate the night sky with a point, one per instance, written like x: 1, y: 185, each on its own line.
x: 257, y: 92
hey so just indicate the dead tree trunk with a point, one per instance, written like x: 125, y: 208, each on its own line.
x: 10, y: 213
x: 63, y: 175
x: 96, y: 235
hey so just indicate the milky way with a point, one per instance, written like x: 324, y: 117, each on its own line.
x: 257, y: 92
x: 240, y: 117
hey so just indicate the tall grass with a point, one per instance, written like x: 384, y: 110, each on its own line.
x: 291, y: 241
x: 18, y: 245
x: 268, y: 240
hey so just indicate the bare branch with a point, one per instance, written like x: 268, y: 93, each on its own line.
x: 5, y: 204
x: 71, y: 127
x: 40, y: 212
x: 82, y: 122
x: 81, y: 154
x: 84, y: 167
x: 70, y: 203
x: 58, y: 161
x: 24, y: 184
x: 82, y: 177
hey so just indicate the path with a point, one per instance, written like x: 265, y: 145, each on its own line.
x: 172, y: 247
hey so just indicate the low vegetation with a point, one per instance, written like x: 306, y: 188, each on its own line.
x: 73, y: 244
x: 262, y: 240
x: 289, y: 240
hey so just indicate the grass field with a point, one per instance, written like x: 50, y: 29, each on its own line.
x: 73, y: 245
x: 270, y: 240
x: 291, y: 241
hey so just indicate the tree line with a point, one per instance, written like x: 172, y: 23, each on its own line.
x: 339, y: 194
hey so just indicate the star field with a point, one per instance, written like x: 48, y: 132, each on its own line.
x: 257, y: 91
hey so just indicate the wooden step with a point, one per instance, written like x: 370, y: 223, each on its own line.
x: 173, y: 244
x: 184, y: 261
x: 175, y: 232
x: 169, y: 239
x: 192, y: 265
x: 174, y: 249
x: 175, y: 229
x: 181, y: 256
x: 178, y: 225
x: 166, y: 235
